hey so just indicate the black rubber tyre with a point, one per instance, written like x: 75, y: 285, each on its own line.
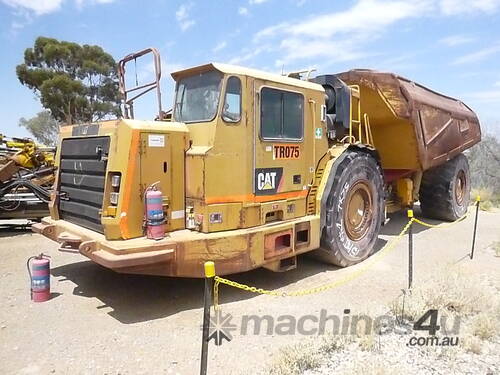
x: 445, y: 190
x: 354, y: 210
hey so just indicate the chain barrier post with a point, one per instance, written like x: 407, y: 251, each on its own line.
x: 410, y: 249
x: 207, y: 302
x: 478, y: 200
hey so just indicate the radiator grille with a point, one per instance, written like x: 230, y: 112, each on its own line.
x: 82, y: 177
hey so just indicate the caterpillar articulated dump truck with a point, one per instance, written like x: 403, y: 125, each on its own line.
x: 257, y: 168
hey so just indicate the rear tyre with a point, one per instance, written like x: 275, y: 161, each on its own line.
x: 445, y: 190
x: 354, y: 210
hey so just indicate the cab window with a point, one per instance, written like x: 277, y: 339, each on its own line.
x: 232, y: 101
x: 281, y: 114
x: 197, y: 97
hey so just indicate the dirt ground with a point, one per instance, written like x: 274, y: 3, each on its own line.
x: 101, y: 322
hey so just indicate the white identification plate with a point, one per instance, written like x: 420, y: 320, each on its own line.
x: 177, y: 214
x: 156, y: 140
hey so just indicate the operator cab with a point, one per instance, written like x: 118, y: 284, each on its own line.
x: 253, y: 137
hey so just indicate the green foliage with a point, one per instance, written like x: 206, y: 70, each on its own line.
x: 77, y: 83
x: 484, y: 160
x: 43, y: 126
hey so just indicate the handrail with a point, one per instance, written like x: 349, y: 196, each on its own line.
x: 128, y: 103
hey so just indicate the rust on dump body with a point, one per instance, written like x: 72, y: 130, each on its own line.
x: 442, y: 126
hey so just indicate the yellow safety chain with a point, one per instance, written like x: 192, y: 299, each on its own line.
x: 446, y: 225
x: 296, y: 293
x: 365, y: 266
x: 442, y: 225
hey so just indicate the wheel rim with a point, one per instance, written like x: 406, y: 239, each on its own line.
x: 460, y: 187
x: 358, y: 212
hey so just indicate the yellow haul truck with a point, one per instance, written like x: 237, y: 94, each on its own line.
x: 257, y: 168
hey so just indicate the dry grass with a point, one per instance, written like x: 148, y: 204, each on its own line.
x: 472, y: 344
x: 451, y: 292
x: 368, y: 343
x: 375, y: 366
x: 462, y: 294
x: 496, y: 247
x: 307, y: 355
x: 489, y: 199
x: 485, y: 326
x: 295, y: 359
x: 331, y: 343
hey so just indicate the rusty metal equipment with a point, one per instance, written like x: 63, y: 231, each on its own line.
x: 26, y: 176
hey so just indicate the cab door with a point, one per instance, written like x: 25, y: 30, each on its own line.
x: 280, y: 160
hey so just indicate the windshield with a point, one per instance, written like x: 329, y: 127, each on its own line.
x: 197, y: 97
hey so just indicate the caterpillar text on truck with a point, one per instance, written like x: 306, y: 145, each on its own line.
x: 256, y: 168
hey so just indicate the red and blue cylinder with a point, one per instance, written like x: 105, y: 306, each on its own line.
x: 155, y: 219
x: 39, y: 271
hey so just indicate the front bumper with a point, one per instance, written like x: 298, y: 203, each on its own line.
x: 137, y: 254
x: 181, y: 253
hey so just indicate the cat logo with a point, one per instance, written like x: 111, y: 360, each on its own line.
x: 267, y: 180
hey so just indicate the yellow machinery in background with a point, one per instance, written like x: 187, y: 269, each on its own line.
x: 26, y: 176
x: 256, y: 168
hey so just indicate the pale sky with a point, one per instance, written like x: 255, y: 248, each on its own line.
x: 451, y: 46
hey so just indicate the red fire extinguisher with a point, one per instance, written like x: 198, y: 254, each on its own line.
x: 155, y: 220
x: 39, y: 272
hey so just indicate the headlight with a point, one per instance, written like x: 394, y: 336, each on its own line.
x: 115, y: 181
x: 113, y: 198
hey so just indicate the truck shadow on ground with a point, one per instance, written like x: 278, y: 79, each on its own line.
x: 398, y: 220
x: 138, y: 298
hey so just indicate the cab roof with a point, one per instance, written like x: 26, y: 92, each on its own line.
x: 238, y: 70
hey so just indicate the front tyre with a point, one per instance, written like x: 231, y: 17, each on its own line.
x: 354, y: 210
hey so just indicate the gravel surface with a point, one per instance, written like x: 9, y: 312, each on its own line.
x: 101, y: 322
x: 392, y: 356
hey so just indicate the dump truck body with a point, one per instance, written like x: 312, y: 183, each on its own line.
x: 414, y: 128
x: 254, y: 169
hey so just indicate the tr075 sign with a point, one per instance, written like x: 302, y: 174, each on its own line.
x: 286, y: 152
x: 267, y: 180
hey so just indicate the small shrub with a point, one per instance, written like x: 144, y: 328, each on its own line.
x: 295, y: 359
x: 368, y: 343
x: 472, y: 344
x: 331, y: 343
x: 371, y: 366
x: 486, y: 206
x: 452, y: 292
x: 485, y: 194
x: 489, y: 199
x: 496, y: 247
x: 307, y: 355
x: 484, y: 326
